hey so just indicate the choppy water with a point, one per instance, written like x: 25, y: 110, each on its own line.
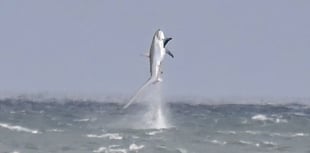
x: 93, y: 127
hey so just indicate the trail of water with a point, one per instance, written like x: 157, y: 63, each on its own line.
x: 156, y: 117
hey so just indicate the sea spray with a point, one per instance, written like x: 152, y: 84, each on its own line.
x: 155, y: 116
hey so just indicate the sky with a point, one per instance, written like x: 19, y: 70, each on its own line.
x: 222, y: 48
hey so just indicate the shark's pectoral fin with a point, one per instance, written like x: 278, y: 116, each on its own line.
x: 169, y: 53
x: 145, y: 55
x: 166, y: 40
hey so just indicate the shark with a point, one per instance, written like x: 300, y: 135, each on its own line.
x: 156, y: 56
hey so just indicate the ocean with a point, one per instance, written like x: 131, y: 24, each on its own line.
x: 86, y: 126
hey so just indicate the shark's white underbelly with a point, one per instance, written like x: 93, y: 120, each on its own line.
x: 158, y: 54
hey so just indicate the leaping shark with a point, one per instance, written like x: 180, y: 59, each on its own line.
x: 156, y: 55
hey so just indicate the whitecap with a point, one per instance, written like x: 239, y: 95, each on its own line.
x: 114, y: 146
x: 227, y: 132
x: 269, y: 144
x: 300, y: 134
x: 134, y: 147
x: 181, y: 150
x: 19, y: 128
x: 100, y: 150
x: 278, y: 134
x: 111, y: 136
x: 135, y: 137
x: 82, y: 120
x: 261, y: 117
x: 276, y: 119
x: 110, y: 149
x: 289, y: 135
x: 279, y: 120
x: 252, y: 132
x: 117, y: 151
x: 246, y: 142
x: 114, y: 149
x: 154, y: 132
x: 300, y: 114
x: 55, y: 130
x: 217, y: 142
x: 85, y: 120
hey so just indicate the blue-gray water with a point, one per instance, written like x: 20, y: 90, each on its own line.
x: 77, y: 126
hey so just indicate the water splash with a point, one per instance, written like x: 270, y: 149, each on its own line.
x: 156, y: 115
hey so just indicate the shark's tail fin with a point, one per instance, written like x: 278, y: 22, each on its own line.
x: 133, y: 98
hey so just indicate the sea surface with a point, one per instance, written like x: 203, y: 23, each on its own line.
x: 82, y: 126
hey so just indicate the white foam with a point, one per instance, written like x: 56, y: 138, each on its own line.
x: 253, y: 132
x: 280, y: 120
x: 82, y: 120
x: 135, y: 137
x: 85, y: 120
x: 161, y: 121
x: 19, y: 128
x: 111, y: 136
x: 55, y: 130
x: 261, y: 117
x: 289, y: 135
x: 117, y: 151
x: 217, y: 142
x: 154, y: 132
x: 259, y: 144
x: 264, y: 144
x: 227, y: 132
x: 156, y: 116
x: 100, y: 150
x: 299, y: 114
x: 276, y: 119
x: 134, y: 147
x: 181, y: 150
x: 269, y: 143
x: 300, y: 135
x: 110, y: 149
x: 246, y: 142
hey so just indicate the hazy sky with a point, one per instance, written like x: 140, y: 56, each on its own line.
x: 221, y: 48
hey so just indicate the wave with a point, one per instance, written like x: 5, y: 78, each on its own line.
x: 218, y: 142
x: 55, y: 130
x: 154, y: 132
x: 135, y: 147
x: 122, y: 99
x: 115, y: 149
x: 264, y: 118
x: 111, y: 136
x: 263, y: 144
x: 271, y: 134
x: 19, y: 128
x: 101, y: 149
x: 85, y: 120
